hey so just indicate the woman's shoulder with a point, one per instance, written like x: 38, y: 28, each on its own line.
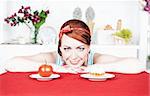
x: 96, y: 57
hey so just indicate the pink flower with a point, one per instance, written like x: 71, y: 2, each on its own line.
x: 20, y: 11
x: 6, y: 20
x: 47, y: 12
x: 27, y: 8
x: 15, y: 14
x: 11, y: 24
x: 22, y: 7
x: 147, y: 6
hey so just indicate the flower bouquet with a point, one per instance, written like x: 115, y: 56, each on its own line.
x: 32, y: 19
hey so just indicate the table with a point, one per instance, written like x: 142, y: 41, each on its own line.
x: 20, y: 84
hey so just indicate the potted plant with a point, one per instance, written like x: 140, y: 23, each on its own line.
x: 33, y: 19
x: 125, y: 35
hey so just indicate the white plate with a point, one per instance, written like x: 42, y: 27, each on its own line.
x: 97, y: 78
x: 40, y: 78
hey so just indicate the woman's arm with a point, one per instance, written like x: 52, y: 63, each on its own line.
x: 32, y: 64
x: 27, y: 63
x: 116, y: 64
x: 103, y: 58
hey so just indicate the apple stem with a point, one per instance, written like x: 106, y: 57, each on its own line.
x: 45, y: 61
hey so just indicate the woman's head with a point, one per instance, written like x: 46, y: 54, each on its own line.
x: 74, y: 42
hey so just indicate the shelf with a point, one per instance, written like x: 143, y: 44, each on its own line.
x: 31, y: 49
x: 115, y: 46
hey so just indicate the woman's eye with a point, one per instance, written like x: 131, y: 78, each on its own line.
x: 80, y: 49
x: 67, y: 49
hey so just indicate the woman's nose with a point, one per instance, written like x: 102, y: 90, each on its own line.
x: 74, y: 55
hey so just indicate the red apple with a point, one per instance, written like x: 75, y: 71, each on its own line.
x: 45, y: 70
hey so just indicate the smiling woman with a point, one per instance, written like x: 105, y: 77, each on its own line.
x: 74, y: 42
x: 74, y: 55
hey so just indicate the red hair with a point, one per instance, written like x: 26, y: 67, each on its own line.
x: 76, y: 29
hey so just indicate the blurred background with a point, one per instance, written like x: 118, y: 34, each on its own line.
x: 104, y: 17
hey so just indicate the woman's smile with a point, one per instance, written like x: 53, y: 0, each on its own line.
x: 74, y: 62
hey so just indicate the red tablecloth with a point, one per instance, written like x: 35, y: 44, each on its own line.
x: 19, y: 84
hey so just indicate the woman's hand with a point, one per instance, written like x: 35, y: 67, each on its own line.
x: 68, y: 69
x: 74, y: 70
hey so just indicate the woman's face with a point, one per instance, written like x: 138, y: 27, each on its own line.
x: 74, y: 52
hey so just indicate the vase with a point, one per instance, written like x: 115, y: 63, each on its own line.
x: 34, y: 36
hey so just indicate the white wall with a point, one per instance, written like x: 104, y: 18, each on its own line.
x: 106, y: 12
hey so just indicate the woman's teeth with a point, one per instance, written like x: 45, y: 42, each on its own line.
x: 74, y: 62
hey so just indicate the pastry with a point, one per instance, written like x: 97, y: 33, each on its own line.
x: 96, y: 71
